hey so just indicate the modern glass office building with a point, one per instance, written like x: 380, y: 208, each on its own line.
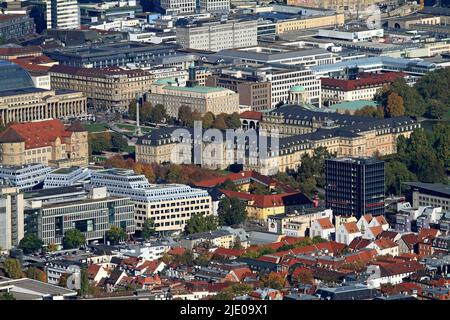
x: 354, y: 186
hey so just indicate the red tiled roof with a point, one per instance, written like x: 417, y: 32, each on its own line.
x: 358, y: 243
x: 389, y: 234
x: 325, y: 223
x: 176, y: 251
x: 229, y: 252
x: 259, y: 200
x: 269, y: 258
x: 410, y: 239
x: 367, y: 217
x: 373, y: 79
x: 427, y: 233
x: 384, y: 243
x: 381, y: 220
x: 92, y: 270
x: 363, y: 255
x: 20, y: 51
x: 235, y: 177
x: 254, y: 115
x: 376, y: 230
x: 241, y: 273
x: 351, y: 227
x: 39, y: 134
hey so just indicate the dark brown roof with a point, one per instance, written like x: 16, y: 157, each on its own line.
x: 77, y: 126
x: 10, y: 136
x: 97, y: 72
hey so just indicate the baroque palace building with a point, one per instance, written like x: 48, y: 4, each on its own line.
x: 300, y: 131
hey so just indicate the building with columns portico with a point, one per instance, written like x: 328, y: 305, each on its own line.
x: 20, y: 101
x: 34, y: 104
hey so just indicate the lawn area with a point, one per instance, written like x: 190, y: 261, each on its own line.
x: 97, y: 127
x: 130, y: 149
x: 131, y: 128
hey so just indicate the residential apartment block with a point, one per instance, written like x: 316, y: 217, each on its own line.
x: 107, y: 88
x: 49, y: 213
x: 216, y: 36
x: 170, y: 205
x: 48, y: 142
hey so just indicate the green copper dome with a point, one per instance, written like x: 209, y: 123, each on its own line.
x: 297, y: 89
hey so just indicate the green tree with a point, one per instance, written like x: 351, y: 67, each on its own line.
x: 436, y: 109
x: 148, y: 229
x: 118, y: 142
x: 158, y: 114
x: 62, y: 282
x: 305, y: 276
x: 370, y: 111
x: 13, y: 268
x: 184, y: 114
x: 36, y: 274
x: 396, y: 173
x: 7, y: 295
x: 231, y: 211
x: 52, y: 247
x: 413, y: 102
x: 219, y: 122
x: 233, y: 121
x: 116, y: 235
x: 207, y: 120
x: 227, y: 185
x: 257, y: 188
x: 84, y: 283
x: 30, y: 243
x: 394, y: 107
x: 200, y: 223
x: 73, y: 238
x: 273, y: 280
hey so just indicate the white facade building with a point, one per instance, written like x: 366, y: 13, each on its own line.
x: 178, y: 6
x: 24, y: 177
x: 216, y: 36
x: 169, y: 205
x: 63, y: 14
x: 66, y: 177
x: 214, y: 5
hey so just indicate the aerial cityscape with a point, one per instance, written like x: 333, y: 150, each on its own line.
x: 229, y: 150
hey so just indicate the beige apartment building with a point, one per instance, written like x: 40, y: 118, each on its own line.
x: 105, y: 88
x: 34, y: 104
x: 290, y: 25
x: 202, y: 99
x: 49, y: 142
